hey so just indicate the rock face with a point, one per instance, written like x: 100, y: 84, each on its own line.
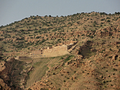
x: 4, y: 86
x: 13, y: 75
x: 2, y: 65
x: 6, y: 69
x: 4, y: 74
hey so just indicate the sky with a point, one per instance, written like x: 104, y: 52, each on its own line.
x: 15, y: 10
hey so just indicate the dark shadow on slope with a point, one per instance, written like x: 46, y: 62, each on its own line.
x: 116, y: 57
x: 15, y: 74
x: 86, y: 50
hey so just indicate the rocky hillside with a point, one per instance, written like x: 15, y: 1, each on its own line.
x: 93, y: 63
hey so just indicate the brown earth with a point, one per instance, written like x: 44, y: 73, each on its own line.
x: 96, y: 71
x: 93, y: 63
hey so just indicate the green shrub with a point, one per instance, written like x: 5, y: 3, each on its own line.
x: 108, y: 20
x: 29, y: 89
x: 102, y: 19
x: 68, y: 58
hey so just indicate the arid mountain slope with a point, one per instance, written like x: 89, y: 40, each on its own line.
x: 92, y: 63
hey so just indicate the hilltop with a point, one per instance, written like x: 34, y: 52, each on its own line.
x: 74, y: 52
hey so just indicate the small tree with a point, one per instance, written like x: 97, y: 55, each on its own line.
x: 49, y: 15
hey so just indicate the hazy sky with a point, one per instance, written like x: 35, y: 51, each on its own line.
x: 15, y: 10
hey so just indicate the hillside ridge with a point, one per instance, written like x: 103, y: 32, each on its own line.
x: 74, y: 52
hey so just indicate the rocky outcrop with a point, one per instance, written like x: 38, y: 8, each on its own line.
x: 13, y: 74
x: 3, y: 85
x: 6, y: 69
x: 94, y: 67
x: 4, y: 74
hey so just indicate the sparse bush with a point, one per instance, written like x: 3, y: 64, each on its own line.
x: 83, y: 34
x: 102, y: 19
x: 113, y: 73
x: 117, y: 13
x: 68, y: 58
x: 114, y: 69
x: 108, y: 20
x: 29, y: 89
x: 103, y: 13
x: 49, y: 15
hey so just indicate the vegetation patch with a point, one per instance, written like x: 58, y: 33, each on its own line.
x: 68, y: 58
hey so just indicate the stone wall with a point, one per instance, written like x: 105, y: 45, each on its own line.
x: 55, y: 51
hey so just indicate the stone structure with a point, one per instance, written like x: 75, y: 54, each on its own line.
x: 53, y: 51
